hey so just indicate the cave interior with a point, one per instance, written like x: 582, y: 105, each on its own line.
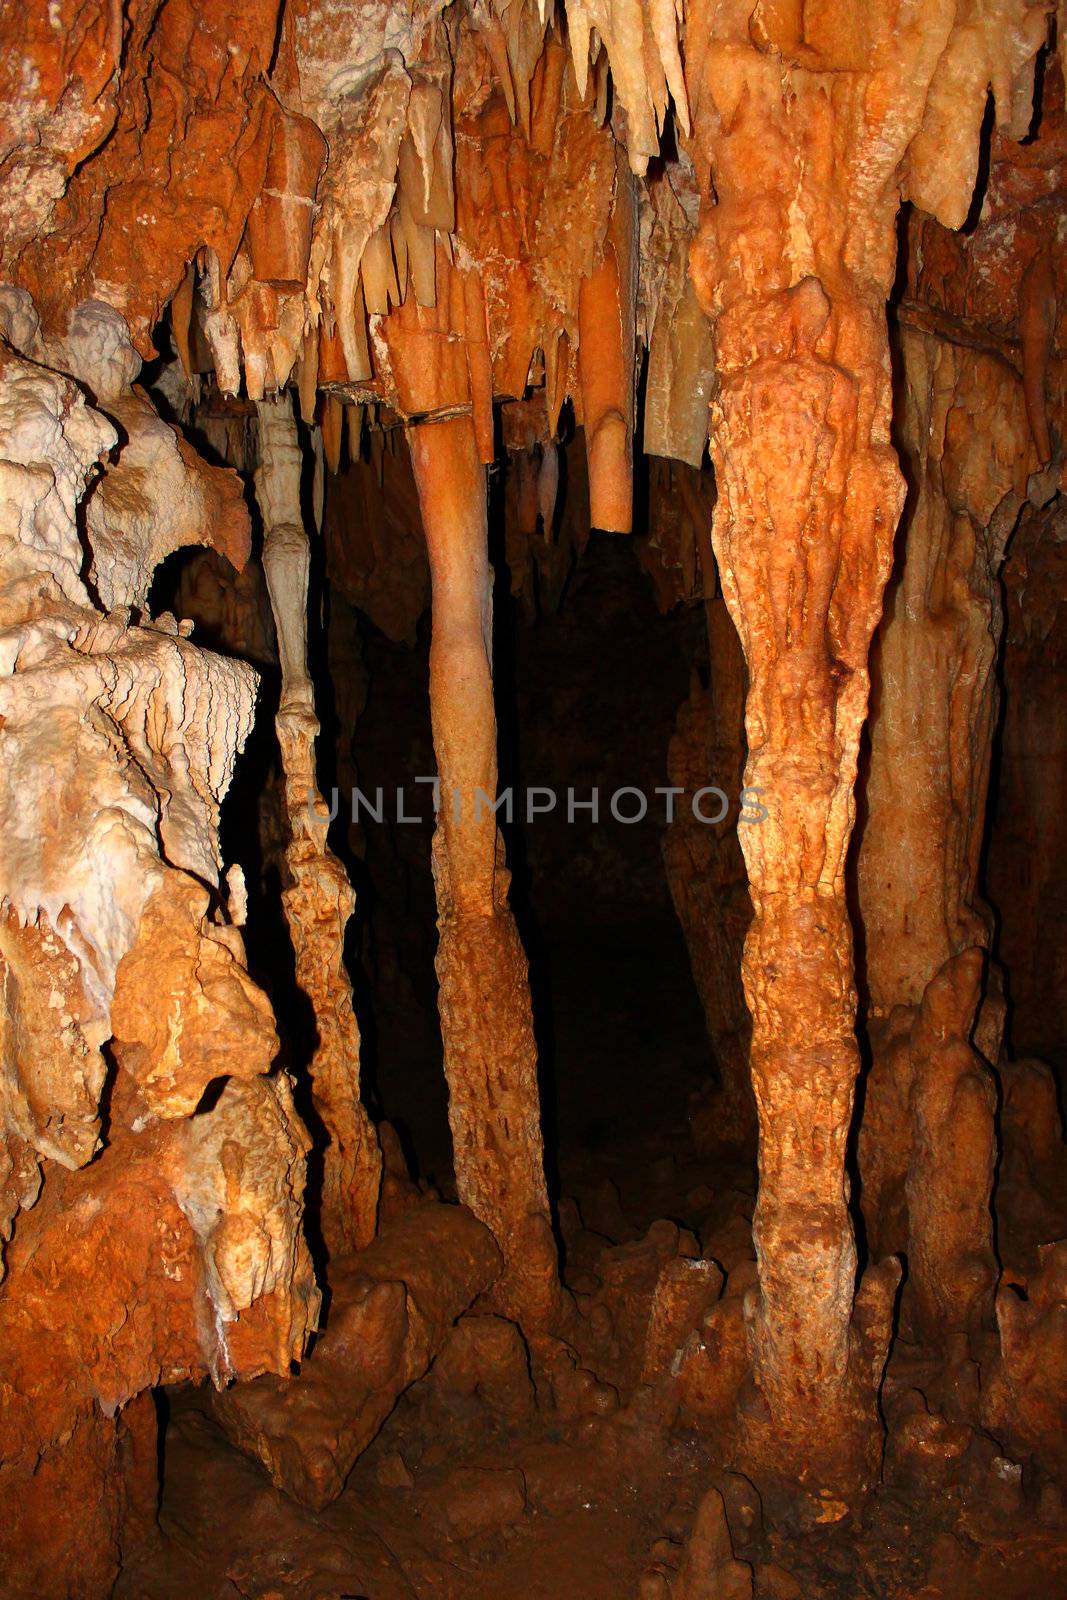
x: 533, y: 800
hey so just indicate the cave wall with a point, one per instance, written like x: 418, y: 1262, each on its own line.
x: 979, y: 330
x: 1026, y: 855
x: 153, y: 1165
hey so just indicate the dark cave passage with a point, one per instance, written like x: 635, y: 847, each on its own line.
x: 587, y: 699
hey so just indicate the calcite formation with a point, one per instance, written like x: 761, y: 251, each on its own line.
x: 137, y: 1050
x: 318, y: 897
x: 775, y: 288
x: 490, y: 1053
x: 394, y: 1305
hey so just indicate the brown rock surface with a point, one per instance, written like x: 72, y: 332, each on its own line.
x: 187, y: 1258
x: 391, y: 1308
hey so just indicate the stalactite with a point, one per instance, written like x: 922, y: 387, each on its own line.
x: 641, y: 43
x: 606, y: 315
x: 280, y: 221
x: 318, y: 899
x: 681, y: 356
x: 486, y: 1019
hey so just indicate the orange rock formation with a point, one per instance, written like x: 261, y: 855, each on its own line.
x: 824, y: 242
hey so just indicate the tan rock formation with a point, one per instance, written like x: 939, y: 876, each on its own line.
x: 188, y: 1259
x: 927, y: 1151
x: 392, y: 1307
x: 318, y: 897
x: 709, y: 1570
x: 486, y: 1019
x: 809, y: 497
x: 952, y: 1269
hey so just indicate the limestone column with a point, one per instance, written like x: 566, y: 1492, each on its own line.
x: 793, y: 263
x: 318, y: 897
x: 806, y: 125
x: 484, y: 999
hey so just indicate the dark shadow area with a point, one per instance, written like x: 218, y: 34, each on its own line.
x: 586, y: 699
x: 981, y: 182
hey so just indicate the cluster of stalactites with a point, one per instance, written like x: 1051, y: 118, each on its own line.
x: 492, y: 136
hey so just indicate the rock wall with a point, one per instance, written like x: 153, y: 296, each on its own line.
x: 981, y: 406
x: 153, y: 1165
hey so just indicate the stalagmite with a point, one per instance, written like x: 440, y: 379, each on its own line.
x: 318, y: 898
x: 486, y: 1019
x: 950, y: 1173
x: 809, y: 497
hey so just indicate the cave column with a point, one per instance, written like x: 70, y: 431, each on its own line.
x: 808, y: 124
x: 439, y: 363
x: 803, y: 533
x: 793, y: 262
x: 318, y: 897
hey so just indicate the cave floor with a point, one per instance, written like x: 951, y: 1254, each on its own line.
x: 601, y: 1499
x: 590, y: 1529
